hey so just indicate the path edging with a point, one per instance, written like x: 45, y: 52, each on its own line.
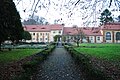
x: 87, y: 64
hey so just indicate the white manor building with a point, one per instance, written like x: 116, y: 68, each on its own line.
x: 109, y: 33
x: 43, y: 33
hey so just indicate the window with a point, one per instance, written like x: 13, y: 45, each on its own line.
x: 91, y: 38
x: 41, y: 39
x: 40, y: 33
x: 53, y: 31
x: 37, y: 39
x: 74, y: 37
x: 46, y: 38
x: 59, y: 32
x: 98, y: 38
x: 33, y: 33
x: 68, y: 37
x: 46, y: 33
x: 33, y: 38
x: 108, y: 36
x: 118, y: 36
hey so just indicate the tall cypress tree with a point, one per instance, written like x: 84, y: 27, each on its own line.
x: 10, y: 24
x: 3, y: 24
x: 14, y: 23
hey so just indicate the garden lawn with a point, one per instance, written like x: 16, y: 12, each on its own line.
x: 16, y: 54
x: 104, y: 51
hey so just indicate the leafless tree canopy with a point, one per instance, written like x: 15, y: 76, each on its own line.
x: 88, y: 10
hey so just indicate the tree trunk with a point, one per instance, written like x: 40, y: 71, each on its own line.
x: 77, y: 43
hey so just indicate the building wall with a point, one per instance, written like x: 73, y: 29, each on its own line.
x: 116, y: 41
x: 49, y: 36
x: 69, y: 38
x: 113, y: 36
x: 40, y: 37
x: 54, y: 33
x: 98, y: 39
x: 92, y: 39
x: 108, y: 41
x: 44, y: 36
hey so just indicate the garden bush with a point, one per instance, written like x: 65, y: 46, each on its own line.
x: 84, y: 60
x: 30, y: 66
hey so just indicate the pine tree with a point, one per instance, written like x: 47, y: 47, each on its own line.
x: 106, y: 17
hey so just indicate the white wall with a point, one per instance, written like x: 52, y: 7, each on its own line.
x: 54, y: 33
x: 38, y: 37
x: 92, y: 39
x: 99, y: 40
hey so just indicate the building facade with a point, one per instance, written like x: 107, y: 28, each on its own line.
x: 109, y: 33
x: 43, y: 33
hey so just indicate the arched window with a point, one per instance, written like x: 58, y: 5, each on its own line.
x: 118, y: 36
x: 108, y: 36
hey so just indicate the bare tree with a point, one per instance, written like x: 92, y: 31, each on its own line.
x: 79, y: 35
x: 88, y: 10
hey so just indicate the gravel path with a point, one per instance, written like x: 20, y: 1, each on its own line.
x: 59, y: 66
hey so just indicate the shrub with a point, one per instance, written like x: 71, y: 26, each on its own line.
x: 30, y: 64
x: 86, y: 63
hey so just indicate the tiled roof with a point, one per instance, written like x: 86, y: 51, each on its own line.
x: 34, y: 28
x: 111, y: 26
x: 69, y: 31
x: 43, y: 28
x: 92, y: 33
x: 86, y: 30
x: 56, y: 27
x: 89, y: 31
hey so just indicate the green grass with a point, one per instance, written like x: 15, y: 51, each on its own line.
x: 99, y: 44
x: 16, y: 54
x: 96, y: 44
x: 104, y: 51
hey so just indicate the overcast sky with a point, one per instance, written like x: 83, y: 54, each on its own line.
x: 65, y: 11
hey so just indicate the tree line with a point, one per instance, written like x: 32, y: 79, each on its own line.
x: 35, y: 20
